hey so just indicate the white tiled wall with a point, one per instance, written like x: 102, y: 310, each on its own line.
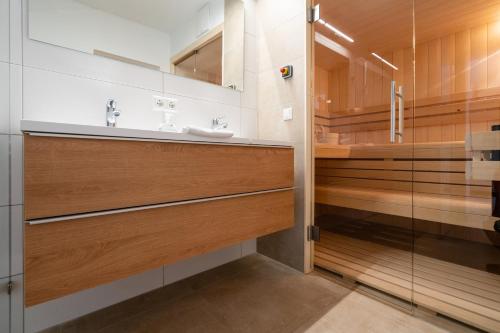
x: 4, y: 242
x: 281, y: 40
x: 39, y: 81
x: 63, y: 85
x: 11, y: 313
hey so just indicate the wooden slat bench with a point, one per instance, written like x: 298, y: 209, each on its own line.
x: 424, y: 181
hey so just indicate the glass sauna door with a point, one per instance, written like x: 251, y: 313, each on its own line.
x: 363, y: 105
x: 456, y: 168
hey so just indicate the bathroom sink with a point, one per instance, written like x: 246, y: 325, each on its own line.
x: 208, y: 132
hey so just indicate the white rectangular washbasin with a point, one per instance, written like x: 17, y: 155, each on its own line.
x: 207, y: 132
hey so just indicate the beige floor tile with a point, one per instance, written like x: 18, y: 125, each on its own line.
x: 255, y: 294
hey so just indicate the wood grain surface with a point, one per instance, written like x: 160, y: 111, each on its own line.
x: 65, y: 257
x: 64, y: 176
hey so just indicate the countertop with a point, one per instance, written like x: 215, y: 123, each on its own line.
x: 33, y: 126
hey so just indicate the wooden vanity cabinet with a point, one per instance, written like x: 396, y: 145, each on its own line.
x: 145, y: 204
x: 65, y: 175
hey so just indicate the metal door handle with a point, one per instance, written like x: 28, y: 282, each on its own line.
x: 393, y: 112
x: 401, y: 123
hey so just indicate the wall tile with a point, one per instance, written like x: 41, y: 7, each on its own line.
x: 16, y: 167
x: 4, y: 30
x: 250, y: 53
x: 274, y: 94
x: 283, y: 44
x: 16, y: 236
x: 201, y: 112
x: 16, y: 98
x: 4, y: 306
x: 4, y: 242
x: 281, y: 40
x: 248, y: 247
x: 17, y: 305
x: 16, y: 30
x: 250, y: 18
x: 51, y: 313
x: 195, y: 265
x: 249, y: 126
x: 4, y: 97
x: 50, y: 96
x: 270, y: 14
x: 249, y: 96
x: 201, y: 90
x: 4, y: 170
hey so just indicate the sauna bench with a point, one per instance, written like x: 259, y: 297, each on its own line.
x: 102, y: 204
x: 426, y: 181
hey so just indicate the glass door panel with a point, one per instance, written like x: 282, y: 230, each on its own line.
x: 456, y: 168
x: 363, y: 105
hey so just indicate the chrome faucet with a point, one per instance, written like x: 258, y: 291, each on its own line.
x: 219, y: 123
x: 112, y: 113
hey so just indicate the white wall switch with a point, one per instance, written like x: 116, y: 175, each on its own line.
x: 287, y: 114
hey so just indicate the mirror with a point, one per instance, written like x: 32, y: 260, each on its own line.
x: 198, y: 39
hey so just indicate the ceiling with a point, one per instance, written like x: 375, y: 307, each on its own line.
x: 164, y: 15
x: 387, y: 25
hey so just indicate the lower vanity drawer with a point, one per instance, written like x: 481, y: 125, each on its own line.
x: 72, y: 255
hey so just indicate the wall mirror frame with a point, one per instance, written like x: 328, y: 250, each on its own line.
x: 198, y: 39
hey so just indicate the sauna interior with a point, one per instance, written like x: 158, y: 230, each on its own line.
x: 406, y: 104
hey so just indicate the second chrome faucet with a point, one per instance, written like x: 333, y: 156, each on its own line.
x: 112, y: 113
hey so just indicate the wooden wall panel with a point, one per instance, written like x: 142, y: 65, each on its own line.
x: 479, y: 56
x: 398, y: 61
x: 494, y: 54
x: 462, y: 61
x: 65, y: 257
x: 447, y: 69
x: 65, y: 176
x: 387, y: 77
x: 448, y: 65
x: 434, y: 62
x: 421, y: 71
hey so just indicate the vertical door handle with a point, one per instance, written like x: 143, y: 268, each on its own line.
x: 401, y: 124
x: 393, y: 112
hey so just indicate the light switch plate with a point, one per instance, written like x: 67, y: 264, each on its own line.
x: 287, y: 114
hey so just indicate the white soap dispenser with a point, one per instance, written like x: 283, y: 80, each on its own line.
x: 168, y: 107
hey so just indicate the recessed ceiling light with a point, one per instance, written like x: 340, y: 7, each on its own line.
x: 384, y: 61
x: 336, y: 31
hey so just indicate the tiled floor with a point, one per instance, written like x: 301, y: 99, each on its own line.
x: 255, y: 294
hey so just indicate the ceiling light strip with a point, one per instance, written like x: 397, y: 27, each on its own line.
x: 336, y: 31
x: 384, y: 61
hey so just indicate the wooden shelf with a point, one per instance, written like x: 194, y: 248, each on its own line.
x: 457, y: 210
x: 449, y: 150
x: 469, y: 295
x: 426, y: 181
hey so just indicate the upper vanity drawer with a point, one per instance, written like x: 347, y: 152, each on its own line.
x: 65, y: 176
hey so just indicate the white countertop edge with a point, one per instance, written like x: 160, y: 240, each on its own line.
x: 35, y: 126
